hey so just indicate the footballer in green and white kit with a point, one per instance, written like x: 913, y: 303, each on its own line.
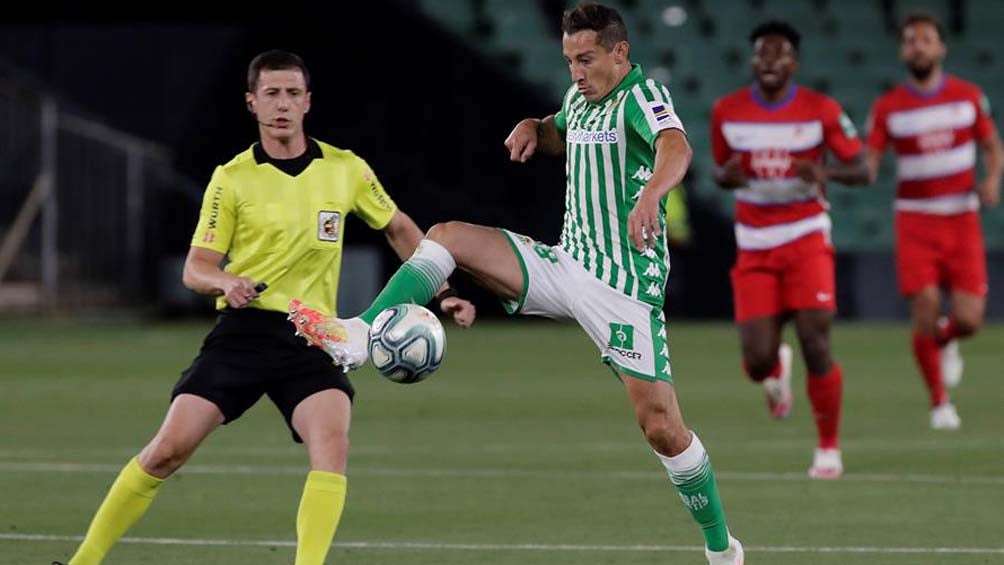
x: 595, y: 275
x: 625, y: 149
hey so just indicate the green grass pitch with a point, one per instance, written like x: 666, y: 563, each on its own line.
x: 521, y: 449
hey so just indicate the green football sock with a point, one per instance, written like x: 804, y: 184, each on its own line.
x: 417, y: 281
x: 691, y: 472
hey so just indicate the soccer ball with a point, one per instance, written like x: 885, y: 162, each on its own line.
x: 407, y: 343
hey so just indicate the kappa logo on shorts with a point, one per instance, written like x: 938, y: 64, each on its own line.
x: 328, y: 225
x: 622, y: 341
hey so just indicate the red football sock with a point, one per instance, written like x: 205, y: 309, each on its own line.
x: 947, y: 331
x: 825, y: 393
x: 774, y: 373
x: 928, y: 354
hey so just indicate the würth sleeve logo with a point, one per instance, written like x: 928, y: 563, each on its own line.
x: 329, y: 225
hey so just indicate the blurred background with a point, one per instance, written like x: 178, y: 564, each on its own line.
x: 111, y: 124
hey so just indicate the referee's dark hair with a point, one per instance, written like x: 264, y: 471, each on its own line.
x: 605, y: 21
x: 275, y: 60
x: 777, y: 27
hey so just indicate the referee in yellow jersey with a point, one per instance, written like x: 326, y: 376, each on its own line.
x: 277, y: 211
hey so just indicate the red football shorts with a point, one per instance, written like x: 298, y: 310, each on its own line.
x: 795, y: 276
x: 946, y: 251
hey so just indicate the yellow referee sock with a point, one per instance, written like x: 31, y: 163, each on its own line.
x: 126, y: 502
x: 320, y: 510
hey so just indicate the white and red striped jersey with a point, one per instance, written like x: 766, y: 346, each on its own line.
x: 777, y: 207
x: 934, y: 135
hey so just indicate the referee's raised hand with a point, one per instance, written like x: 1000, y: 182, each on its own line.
x: 239, y: 291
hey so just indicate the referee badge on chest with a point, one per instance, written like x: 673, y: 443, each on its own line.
x: 328, y: 225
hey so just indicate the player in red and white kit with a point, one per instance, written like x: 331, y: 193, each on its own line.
x: 770, y: 142
x: 935, y: 122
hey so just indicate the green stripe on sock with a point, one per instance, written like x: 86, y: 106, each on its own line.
x: 699, y: 493
x: 415, y: 282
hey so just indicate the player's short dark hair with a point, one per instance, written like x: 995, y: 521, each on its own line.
x: 921, y: 17
x: 777, y: 27
x: 604, y: 20
x: 275, y: 60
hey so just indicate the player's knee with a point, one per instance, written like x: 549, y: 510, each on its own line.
x: 968, y: 325
x: 327, y: 440
x: 662, y: 433
x: 163, y: 457
x: 759, y: 364
x: 447, y: 234
x: 816, y: 351
x: 328, y: 449
x: 927, y: 298
x: 333, y: 440
x: 925, y: 306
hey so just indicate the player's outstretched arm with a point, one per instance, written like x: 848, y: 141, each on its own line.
x: 854, y: 171
x: 404, y: 235
x: 532, y: 134
x: 993, y: 169
x: 203, y: 274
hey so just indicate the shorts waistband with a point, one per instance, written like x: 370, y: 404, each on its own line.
x: 253, y: 321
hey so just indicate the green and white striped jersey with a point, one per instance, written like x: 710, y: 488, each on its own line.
x: 610, y: 156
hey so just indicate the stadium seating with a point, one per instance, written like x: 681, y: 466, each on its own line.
x: 699, y: 48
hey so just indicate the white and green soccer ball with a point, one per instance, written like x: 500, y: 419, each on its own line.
x: 406, y: 343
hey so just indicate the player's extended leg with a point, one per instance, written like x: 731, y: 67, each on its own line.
x: 322, y: 420
x: 965, y: 319
x: 483, y: 252
x: 825, y: 388
x: 686, y: 461
x: 768, y: 361
x: 189, y: 420
x: 925, y: 307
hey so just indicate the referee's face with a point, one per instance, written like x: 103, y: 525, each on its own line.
x: 595, y: 69
x: 280, y: 102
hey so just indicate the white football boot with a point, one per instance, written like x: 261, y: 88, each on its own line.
x: 346, y: 341
x: 945, y: 417
x: 732, y: 556
x: 778, y: 388
x: 826, y: 464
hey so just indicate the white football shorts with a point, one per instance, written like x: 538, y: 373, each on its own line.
x: 630, y: 334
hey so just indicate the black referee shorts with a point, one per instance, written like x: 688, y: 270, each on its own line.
x: 252, y: 352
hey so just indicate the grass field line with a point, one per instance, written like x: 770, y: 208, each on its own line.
x: 794, y: 444
x: 487, y: 473
x: 523, y: 546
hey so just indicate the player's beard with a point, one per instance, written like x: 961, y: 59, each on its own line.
x: 920, y: 71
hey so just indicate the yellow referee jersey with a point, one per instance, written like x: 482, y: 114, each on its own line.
x: 287, y: 230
